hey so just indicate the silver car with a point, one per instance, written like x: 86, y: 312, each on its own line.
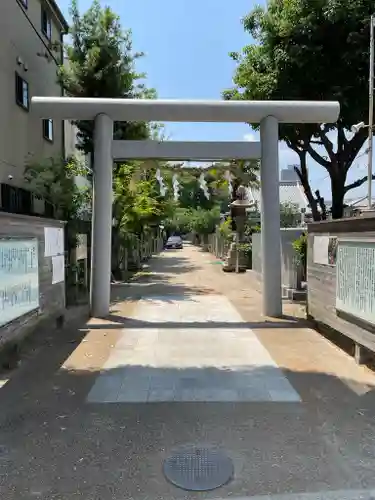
x: 174, y: 242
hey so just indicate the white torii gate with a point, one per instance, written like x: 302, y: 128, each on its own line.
x: 105, y: 111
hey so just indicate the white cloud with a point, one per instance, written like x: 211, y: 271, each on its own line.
x: 252, y: 137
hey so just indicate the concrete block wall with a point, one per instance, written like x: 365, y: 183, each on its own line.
x: 51, y: 296
x: 321, y: 278
x: 289, y: 271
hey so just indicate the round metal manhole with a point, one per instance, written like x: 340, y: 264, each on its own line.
x: 3, y: 453
x: 198, y: 469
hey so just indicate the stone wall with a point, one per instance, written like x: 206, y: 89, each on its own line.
x: 322, y: 278
x: 290, y: 273
x: 51, y: 296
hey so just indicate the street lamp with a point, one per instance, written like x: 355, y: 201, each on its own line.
x: 370, y: 125
x: 357, y: 127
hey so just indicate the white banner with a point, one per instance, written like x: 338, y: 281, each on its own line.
x: 53, y: 241
x: 320, y: 250
x: 58, y: 269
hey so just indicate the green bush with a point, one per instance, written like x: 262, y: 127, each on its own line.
x: 225, y: 230
x: 246, y: 248
x: 204, y: 222
x: 300, y: 247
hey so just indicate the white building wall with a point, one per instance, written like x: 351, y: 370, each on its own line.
x: 288, y: 174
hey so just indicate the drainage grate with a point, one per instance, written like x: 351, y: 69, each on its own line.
x: 198, y: 469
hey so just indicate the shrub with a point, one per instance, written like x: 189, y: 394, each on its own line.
x: 246, y: 248
x: 225, y: 229
x: 300, y: 247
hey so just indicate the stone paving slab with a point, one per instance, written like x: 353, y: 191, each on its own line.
x: 58, y: 447
x: 190, y: 364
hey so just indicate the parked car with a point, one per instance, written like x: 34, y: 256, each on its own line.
x: 174, y: 242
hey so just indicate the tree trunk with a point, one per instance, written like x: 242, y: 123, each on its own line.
x: 303, y: 175
x: 338, y: 194
x: 321, y: 203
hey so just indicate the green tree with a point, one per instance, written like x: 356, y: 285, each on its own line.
x: 300, y: 247
x: 54, y: 181
x: 225, y: 229
x: 290, y: 215
x: 205, y: 221
x: 246, y: 172
x: 138, y: 208
x: 179, y: 222
x: 191, y: 195
x: 101, y: 63
x: 137, y: 201
x: 315, y: 51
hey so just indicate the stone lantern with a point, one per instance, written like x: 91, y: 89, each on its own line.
x: 236, y: 260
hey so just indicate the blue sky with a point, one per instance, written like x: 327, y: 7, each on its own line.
x: 186, y: 43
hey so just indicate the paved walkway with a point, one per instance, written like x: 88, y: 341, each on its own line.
x: 194, y: 348
x: 185, y: 357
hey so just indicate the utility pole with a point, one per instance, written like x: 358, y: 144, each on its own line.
x: 370, y: 112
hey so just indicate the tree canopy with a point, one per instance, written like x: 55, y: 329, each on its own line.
x: 137, y: 200
x: 53, y: 180
x: 312, y: 50
x: 100, y: 62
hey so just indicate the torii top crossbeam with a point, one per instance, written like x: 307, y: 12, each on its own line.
x: 87, y: 108
x: 105, y: 111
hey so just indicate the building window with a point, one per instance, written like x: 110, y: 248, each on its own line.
x: 25, y: 3
x: 46, y: 24
x: 49, y: 210
x: 16, y: 200
x: 22, y: 92
x: 48, y: 129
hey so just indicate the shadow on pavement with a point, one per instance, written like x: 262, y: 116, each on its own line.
x: 170, y: 265
x: 54, y: 443
x: 121, y: 322
x: 155, y: 285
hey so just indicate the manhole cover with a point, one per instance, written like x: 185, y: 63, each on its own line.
x: 198, y: 469
x: 3, y: 453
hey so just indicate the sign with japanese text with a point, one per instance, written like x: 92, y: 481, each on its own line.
x: 19, y: 278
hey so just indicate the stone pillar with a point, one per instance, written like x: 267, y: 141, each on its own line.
x: 270, y: 217
x: 100, y: 291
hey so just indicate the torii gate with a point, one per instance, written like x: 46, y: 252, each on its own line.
x: 105, y: 111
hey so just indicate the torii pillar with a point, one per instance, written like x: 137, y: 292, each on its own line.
x: 105, y: 111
